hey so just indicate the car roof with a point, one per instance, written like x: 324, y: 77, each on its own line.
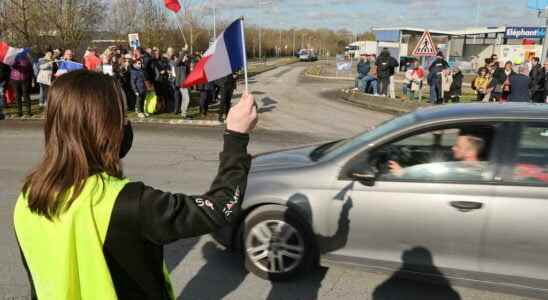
x: 480, y: 111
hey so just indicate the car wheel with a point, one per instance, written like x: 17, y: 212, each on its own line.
x: 277, y: 245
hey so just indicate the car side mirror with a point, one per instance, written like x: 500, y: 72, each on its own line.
x: 366, y: 176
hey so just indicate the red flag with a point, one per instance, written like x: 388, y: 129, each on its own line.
x: 173, y: 5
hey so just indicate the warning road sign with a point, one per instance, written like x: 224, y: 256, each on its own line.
x: 425, y: 46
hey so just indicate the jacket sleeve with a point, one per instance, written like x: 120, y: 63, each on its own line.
x: 165, y: 217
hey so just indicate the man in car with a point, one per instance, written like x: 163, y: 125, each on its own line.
x: 466, y: 149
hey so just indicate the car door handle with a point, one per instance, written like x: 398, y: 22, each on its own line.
x: 465, y: 206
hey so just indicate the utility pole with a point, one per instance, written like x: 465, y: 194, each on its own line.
x: 293, y: 42
x: 545, y: 39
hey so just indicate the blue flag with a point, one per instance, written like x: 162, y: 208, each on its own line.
x: 66, y: 66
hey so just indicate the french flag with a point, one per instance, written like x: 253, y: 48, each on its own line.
x: 226, y: 56
x: 9, y: 54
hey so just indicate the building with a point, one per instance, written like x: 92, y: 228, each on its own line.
x: 516, y: 44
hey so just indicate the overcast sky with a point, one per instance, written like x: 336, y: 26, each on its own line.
x: 361, y: 15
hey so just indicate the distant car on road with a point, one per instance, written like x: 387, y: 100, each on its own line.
x: 483, y: 220
x: 308, y: 56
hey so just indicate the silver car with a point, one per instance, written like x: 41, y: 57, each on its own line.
x: 459, y: 190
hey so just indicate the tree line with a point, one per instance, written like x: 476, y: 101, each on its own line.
x: 75, y: 24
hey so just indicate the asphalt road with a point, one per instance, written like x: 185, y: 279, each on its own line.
x: 184, y: 159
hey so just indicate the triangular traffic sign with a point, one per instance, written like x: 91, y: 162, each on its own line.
x: 425, y: 46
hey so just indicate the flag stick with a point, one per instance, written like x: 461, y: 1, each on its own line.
x: 180, y: 26
x: 245, y: 53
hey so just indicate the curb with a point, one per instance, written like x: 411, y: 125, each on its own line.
x: 371, y: 105
x: 464, y: 84
x: 208, y: 123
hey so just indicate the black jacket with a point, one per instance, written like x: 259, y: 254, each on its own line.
x: 536, y: 79
x: 4, y: 72
x: 436, y: 68
x: 519, y: 88
x: 145, y: 219
x: 456, y: 85
x: 386, y: 64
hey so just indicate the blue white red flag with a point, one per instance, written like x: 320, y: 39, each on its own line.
x: 9, y: 54
x: 66, y: 66
x: 226, y: 56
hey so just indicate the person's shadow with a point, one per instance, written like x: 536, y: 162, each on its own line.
x: 222, y: 273
x: 305, y: 287
x: 400, y: 286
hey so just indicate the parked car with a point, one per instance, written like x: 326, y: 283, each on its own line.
x: 406, y: 62
x: 482, y: 220
x: 308, y: 56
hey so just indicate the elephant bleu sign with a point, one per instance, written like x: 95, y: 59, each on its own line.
x: 524, y: 32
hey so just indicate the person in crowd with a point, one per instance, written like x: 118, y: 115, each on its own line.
x: 370, y: 82
x: 106, y: 231
x: 480, y: 84
x: 124, y: 75
x: 435, y: 72
x: 91, y: 61
x: 174, y: 61
x: 536, y: 81
x: 162, y: 72
x: 446, y: 82
x: 496, y: 86
x: 137, y: 76
x: 385, y: 69
x: 494, y: 58
x: 414, y: 77
x: 182, y: 69
x: 68, y: 55
x: 546, y: 81
x: 21, y: 81
x: 455, y: 91
x: 45, y: 76
x: 228, y: 85
x: 508, y: 72
x: 519, y: 83
x: 4, y: 79
x: 363, y: 69
x: 206, y: 94
x: 106, y: 65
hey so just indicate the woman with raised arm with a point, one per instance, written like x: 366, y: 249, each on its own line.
x: 87, y: 232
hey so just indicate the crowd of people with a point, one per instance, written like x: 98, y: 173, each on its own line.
x: 141, y: 73
x: 522, y: 83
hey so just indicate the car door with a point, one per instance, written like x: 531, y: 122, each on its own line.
x: 442, y: 213
x: 517, y: 230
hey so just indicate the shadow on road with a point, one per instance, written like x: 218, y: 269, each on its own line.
x: 300, y: 288
x: 268, y: 105
x: 174, y: 253
x: 400, y: 286
x: 222, y: 273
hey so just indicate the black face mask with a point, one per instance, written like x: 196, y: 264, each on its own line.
x: 127, y: 140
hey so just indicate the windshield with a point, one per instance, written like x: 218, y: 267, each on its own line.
x: 334, y: 149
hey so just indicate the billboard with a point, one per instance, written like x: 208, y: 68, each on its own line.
x: 524, y: 32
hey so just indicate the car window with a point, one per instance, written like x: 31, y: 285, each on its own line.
x: 531, y: 162
x: 453, y: 154
x: 349, y: 145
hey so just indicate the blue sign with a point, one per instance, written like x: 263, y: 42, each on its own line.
x: 524, y: 32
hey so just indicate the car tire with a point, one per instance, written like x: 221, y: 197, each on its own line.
x: 276, y: 243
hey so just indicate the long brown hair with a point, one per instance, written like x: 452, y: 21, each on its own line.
x: 83, y: 133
